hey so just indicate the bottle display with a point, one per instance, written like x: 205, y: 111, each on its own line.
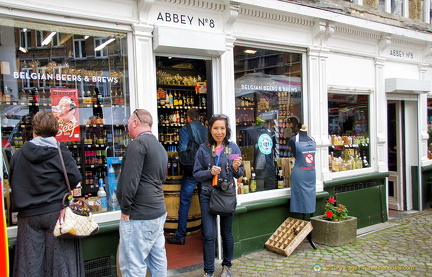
x: 245, y: 185
x: 100, y: 133
x: 280, y: 180
x: 102, y: 196
x: 253, y: 183
x: 348, y: 132
x: 181, y: 85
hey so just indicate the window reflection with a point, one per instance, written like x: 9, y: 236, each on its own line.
x: 349, y: 131
x: 268, y: 109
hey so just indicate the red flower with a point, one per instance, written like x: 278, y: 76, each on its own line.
x: 329, y: 214
x: 331, y: 200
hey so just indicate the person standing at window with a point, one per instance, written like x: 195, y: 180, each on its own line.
x: 141, y: 199
x: 199, y: 133
x: 38, y: 188
x: 228, y: 167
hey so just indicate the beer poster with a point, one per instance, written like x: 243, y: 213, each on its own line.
x: 65, y: 107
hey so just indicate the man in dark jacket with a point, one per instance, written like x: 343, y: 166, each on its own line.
x: 199, y: 133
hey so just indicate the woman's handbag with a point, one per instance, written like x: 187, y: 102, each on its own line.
x: 222, y: 202
x: 75, y: 220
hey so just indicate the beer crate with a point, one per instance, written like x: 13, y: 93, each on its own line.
x: 288, y: 236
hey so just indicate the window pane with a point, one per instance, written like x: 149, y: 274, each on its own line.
x: 349, y: 131
x: 90, y: 98
x: 268, y: 109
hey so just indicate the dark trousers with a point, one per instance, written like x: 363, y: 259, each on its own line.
x: 209, y: 233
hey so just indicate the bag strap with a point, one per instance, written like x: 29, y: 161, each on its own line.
x: 189, y: 129
x: 64, y: 169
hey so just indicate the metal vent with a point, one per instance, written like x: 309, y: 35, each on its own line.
x: 355, y: 186
x: 101, y: 267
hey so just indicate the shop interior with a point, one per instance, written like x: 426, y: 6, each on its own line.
x: 348, y: 131
x: 182, y: 83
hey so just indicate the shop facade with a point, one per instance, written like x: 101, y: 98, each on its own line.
x: 361, y: 87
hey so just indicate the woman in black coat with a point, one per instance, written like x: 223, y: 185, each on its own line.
x: 38, y: 187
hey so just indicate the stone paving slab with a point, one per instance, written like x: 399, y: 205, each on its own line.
x: 403, y: 248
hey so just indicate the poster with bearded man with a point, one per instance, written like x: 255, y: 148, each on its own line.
x: 65, y: 107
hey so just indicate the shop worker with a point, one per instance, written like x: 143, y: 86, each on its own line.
x: 141, y: 199
x: 188, y: 184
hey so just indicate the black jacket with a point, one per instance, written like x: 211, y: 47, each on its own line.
x: 204, y: 162
x: 37, y: 180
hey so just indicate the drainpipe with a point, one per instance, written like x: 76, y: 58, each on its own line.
x: 419, y: 151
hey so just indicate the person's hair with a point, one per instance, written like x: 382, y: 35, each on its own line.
x: 212, y: 120
x: 144, y: 116
x: 45, y: 124
x: 193, y: 114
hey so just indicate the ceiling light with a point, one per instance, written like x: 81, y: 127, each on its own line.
x: 48, y: 39
x: 22, y: 49
x: 250, y: 51
x: 100, y: 47
x: 86, y: 37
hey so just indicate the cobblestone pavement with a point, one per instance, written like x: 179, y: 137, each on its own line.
x: 403, y: 247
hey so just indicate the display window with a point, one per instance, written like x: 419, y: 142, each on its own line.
x: 348, y: 131
x: 429, y: 121
x: 81, y: 76
x: 268, y: 91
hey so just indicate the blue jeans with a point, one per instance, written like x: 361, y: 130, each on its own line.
x: 209, y: 233
x: 142, y: 246
x: 187, y: 188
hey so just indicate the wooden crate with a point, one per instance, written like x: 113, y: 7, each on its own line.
x: 288, y: 236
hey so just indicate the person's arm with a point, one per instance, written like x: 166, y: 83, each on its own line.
x: 201, y: 170
x: 291, y: 143
x: 184, y: 139
x: 240, y: 169
x: 131, y: 175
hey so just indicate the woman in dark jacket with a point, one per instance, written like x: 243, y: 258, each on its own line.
x: 218, y: 157
x: 38, y: 187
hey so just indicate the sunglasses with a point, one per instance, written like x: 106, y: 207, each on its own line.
x: 136, y: 114
x: 220, y: 116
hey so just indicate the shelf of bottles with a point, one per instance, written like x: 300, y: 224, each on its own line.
x: 175, y: 95
x: 98, y: 138
x: 348, y: 152
x: 284, y: 124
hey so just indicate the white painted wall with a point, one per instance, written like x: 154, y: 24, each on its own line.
x: 350, y: 71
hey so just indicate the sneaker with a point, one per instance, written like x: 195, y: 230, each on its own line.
x: 175, y: 240
x: 226, y: 271
x: 208, y: 274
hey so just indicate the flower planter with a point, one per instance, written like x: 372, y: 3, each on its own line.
x: 334, y: 233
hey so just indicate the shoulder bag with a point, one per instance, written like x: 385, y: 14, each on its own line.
x: 75, y: 219
x: 223, y: 199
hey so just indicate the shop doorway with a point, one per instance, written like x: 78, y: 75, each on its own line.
x: 402, y: 152
x: 182, y: 83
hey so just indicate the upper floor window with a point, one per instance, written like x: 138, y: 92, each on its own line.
x: 79, y: 47
x: 25, y: 38
x: 45, y: 38
x: 101, y: 43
